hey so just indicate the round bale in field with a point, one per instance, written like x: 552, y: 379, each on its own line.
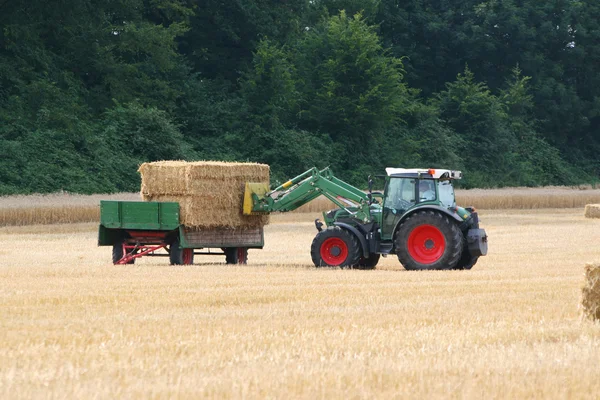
x: 592, y: 211
x: 590, y: 293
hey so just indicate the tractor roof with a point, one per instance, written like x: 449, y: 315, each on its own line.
x: 432, y: 173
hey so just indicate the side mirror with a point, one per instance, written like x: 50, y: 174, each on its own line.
x: 370, y: 184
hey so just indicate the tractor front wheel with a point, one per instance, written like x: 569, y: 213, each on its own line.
x: 429, y: 240
x: 335, y: 247
x: 179, y: 256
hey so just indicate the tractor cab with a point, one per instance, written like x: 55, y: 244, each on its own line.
x: 416, y: 186
x: 412, y: 189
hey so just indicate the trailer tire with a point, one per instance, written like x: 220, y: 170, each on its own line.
x: 428, y: 240
x: 179, y: 256
x: 335, y: 247
x: 117, y: 253
x: 236, y: 255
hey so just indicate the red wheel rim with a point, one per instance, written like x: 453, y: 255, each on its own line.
x: 334, y: 251
x: 188, y: 256
x: 426, y: 244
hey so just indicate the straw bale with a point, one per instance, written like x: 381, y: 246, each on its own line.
x: 209, y: 212
x: 210, y: 193
x: 592, y: 211
x: 164, y: 177
x: 590, y: 293
x: 226, y: 170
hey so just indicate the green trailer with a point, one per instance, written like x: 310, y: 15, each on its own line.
x: 136, y: 229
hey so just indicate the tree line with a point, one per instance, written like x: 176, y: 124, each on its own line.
x: 505, y: 90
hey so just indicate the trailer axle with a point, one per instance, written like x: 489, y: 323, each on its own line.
x: 131, y: 252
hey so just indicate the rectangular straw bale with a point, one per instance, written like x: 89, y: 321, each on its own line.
x: 592, y: 211
x: 198, y: 212
x: 206, y: 212
x: 163, y: 177
x: 210, y: 193
x: 210, y: 175
x: 590, y: 293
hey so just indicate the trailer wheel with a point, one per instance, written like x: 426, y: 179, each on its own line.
x: 369, y: 262
x: 179, y: 256
x: 236, y: 255
x: 335, y: 247
x: 428, y: 240
x: 117, y: 253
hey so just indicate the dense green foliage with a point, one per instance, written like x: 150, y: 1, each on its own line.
x: 506, y: 90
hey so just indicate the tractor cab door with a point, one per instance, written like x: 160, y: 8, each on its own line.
x: 399, y: 196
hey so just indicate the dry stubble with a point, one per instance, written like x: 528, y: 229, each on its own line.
x: 75, y: 326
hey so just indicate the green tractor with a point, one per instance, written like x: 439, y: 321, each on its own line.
x: 416, y: 218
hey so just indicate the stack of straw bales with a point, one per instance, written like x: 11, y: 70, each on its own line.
x: 592, y: 211
x: 210, y: 193
x: 590, y: 294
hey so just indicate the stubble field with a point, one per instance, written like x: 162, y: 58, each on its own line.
x: 75, y: 326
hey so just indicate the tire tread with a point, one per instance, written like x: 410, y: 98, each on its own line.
x: 354, y: 249
x: 453, y: 235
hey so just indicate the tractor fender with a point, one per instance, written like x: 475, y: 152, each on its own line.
x: 362, y: 239
x: 439, y: 209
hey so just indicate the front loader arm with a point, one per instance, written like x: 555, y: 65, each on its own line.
x: 303, y: 189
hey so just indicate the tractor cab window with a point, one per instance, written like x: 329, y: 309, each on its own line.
x: 446, y: 192
x: 400, y: 194
x: 426, y: 190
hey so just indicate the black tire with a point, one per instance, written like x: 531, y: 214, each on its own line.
x: 428, y: 240
x: 179, y: 256
x: 369, y: 262
x: 117, y: 253
x: 236, y: 255
x: 467, y: 261
x: 335, y: 247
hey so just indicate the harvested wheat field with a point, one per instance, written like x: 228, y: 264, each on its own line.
x: 75, y: 326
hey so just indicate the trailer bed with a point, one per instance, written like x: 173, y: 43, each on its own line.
x: 140, y: 228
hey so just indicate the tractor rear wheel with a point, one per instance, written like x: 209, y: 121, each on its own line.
x: 179, y: 256
x: 369, y: 262
x: 335, y: 247
x: 428, y: 240
x: 117, y: 253
x: 467, y: 261
x: 236, y: 255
